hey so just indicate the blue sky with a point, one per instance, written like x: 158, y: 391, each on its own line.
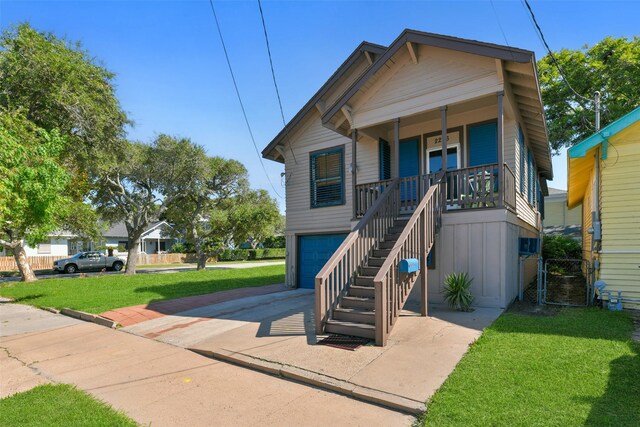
x: 172, y: 77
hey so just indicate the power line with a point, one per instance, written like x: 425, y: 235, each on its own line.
x: 553, y: 57
x: 244, y: 112
x: 275, y: 83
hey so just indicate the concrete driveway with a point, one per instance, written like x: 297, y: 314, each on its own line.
x: 275, y: 333
x: 163, y: 385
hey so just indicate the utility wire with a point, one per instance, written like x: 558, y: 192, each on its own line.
x: 244, y: 112
x: 275, y: 84
x: 553, y: 57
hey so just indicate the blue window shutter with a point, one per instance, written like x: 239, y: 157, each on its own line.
x: 326, y: 176
x: 522, y: 152
x: 483, y: 144
x: 385, y: 159
x: 530, y: 177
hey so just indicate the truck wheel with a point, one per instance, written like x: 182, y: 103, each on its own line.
x: 70, y: 268
x: 117, y: 266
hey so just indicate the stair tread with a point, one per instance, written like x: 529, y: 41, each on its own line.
x: 355, y: 310
x: 351, y: 324
x: 358, y: 298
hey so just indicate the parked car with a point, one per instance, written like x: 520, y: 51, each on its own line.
x: 84, y: 261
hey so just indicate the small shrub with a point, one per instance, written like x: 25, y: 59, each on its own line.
x: 457, y: 291
x: 177, y: 248
x: 251, y: 254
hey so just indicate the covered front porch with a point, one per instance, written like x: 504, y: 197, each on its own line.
x: 463, y: 144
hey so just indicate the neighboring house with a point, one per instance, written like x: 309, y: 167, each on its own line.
x: 57, y: 244
x: 559, y: 220
x: 603, y: 176
x: 154, y: 240
x: 363, y: 152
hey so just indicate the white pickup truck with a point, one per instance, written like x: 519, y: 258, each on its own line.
x: 85, y: 261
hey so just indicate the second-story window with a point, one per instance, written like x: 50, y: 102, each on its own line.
x: 327, y: 177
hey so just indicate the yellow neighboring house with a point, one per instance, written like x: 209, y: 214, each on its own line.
x: 604, y: 175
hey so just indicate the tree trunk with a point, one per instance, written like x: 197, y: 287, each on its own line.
x: 201, y: 256
x: 202, y: 260
x: 23, y: 263
x: 132, y: 255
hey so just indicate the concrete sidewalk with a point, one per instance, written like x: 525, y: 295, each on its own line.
x: 163, y: 385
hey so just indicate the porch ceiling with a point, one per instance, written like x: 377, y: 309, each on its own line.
x: 425, y: 116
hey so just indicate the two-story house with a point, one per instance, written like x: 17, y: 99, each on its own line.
x: 434, y: 148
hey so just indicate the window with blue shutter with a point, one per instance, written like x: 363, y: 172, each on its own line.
x: 385, y: 159
x: 530, y: 177
x: 326, y: 171
x: 522, y: 153
x: 483, y: 144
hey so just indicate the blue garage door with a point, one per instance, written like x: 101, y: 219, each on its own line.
x: 313, y: 254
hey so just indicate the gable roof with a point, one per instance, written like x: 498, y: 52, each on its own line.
x: 580, y: 165
x: 430, y: 39
x: 528, y: 100
x: 373, y: 48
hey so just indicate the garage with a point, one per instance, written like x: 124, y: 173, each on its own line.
x: 313, y: 253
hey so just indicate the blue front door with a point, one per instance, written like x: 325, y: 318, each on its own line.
x: 313, y: 253
x: 409, y: 166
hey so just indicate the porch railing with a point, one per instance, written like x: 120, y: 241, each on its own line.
x: 509, y: 187
x: 466, y: 188
x: 336, y: 275
x: 416, y: 240
x: 366, y: 195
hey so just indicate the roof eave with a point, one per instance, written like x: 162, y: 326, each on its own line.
x: 365, y: 46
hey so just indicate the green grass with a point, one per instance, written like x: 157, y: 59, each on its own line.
x: 58, y: 405
x: 578, y: 368
x: 101, y: 293
x: 209, y: 264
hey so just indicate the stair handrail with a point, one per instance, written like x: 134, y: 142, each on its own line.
x: 415, y: 241
x: 335, y: 276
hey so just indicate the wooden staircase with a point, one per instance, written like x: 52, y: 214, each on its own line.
x: 355, y: 314
x: 360, y: 291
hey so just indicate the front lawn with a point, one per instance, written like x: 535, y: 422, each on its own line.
x: 578, y: 367
x: 102, y: 293
x: 58, y: 405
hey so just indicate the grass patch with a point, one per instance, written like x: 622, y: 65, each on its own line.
x: 577, y: 368
x: 58, y: 405
x: 102, y: 293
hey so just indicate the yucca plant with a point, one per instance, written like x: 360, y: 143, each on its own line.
x: 457, y: 291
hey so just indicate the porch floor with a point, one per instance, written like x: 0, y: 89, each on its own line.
x: 275, y: 334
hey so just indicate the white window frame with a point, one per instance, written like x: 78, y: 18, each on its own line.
x: 435, y: 149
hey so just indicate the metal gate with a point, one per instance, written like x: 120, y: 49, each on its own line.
x: 566, y: 282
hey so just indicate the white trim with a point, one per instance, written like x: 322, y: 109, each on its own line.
x: 621, y: 251
x: 149, y: 230
x: 430, y: 150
